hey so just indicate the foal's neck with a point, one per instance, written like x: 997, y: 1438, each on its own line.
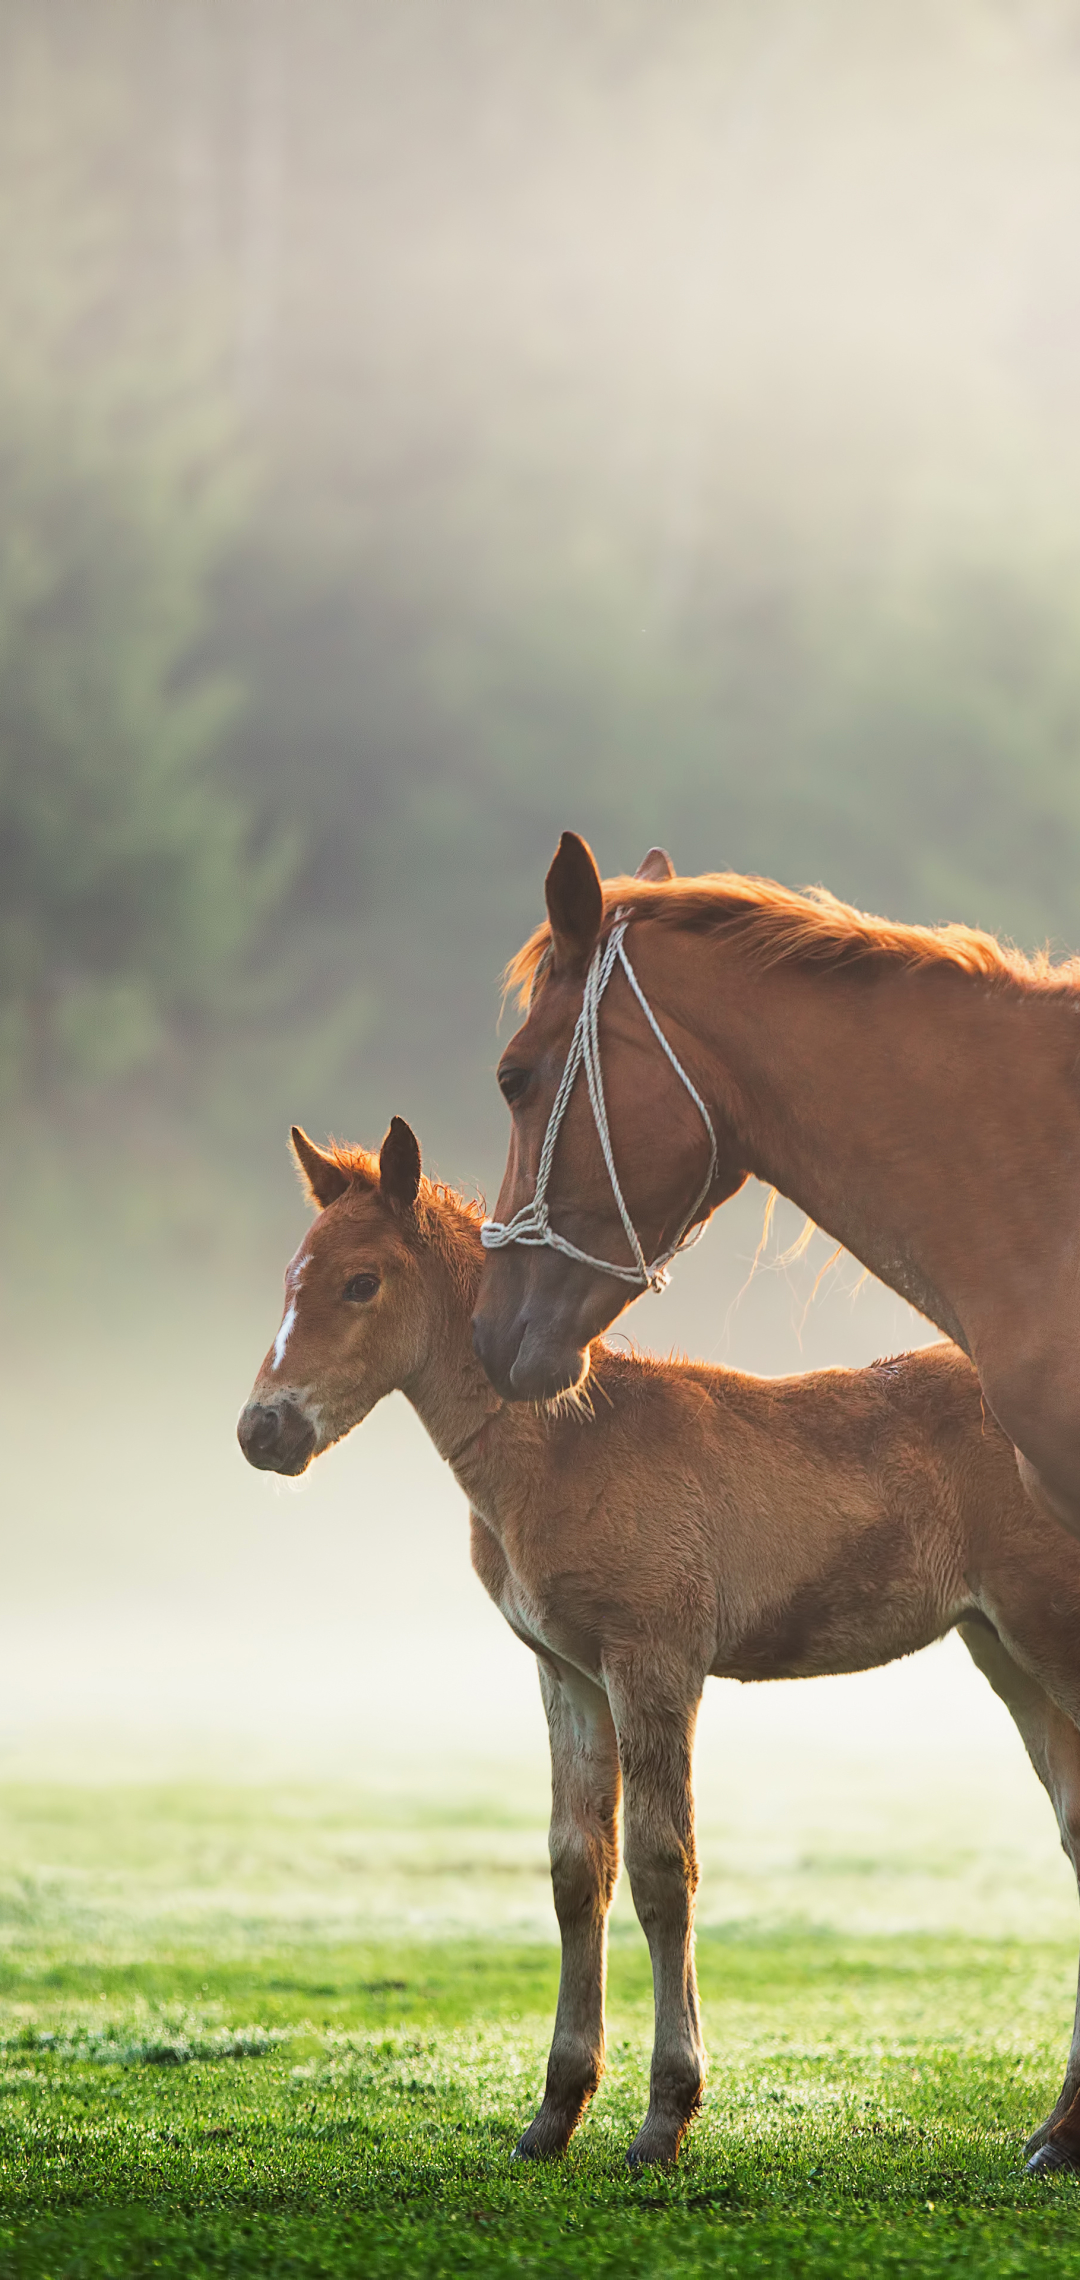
x: 449, y: 1391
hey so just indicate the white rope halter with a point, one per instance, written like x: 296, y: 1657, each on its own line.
x: 530, y: 1225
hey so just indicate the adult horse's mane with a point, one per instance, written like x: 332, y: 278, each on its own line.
x: 777, y: 925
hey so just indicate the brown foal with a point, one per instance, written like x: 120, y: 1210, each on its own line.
x: 689, y: 1521
x: 915, y: 1090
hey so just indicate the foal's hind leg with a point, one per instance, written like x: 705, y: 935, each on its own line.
x: 655, y: 1724
x: 1053, y: 1745
x: 584, y: 1845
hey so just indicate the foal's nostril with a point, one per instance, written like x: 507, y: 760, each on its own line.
x: 258, y: 1431
x: 276, y: 1437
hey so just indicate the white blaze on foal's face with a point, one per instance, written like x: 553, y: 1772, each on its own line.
x: 294, y: 1273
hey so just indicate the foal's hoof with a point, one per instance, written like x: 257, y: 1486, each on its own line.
x: 546, y: 2137
x: 1049, y: 2158
x: 656, y: 2147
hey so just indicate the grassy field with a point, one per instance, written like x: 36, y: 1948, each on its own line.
x: 286, y: 2031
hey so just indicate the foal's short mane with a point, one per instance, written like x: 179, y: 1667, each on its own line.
x: 444, y: 1221
x: 776, y: 925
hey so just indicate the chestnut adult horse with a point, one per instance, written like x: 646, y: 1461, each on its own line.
x: 915, y: 1090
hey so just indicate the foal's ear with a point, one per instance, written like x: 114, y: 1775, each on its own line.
x: 399, y: 1164
x: 657, y: 865
x: 575, y: 904
x: 321, y: 1175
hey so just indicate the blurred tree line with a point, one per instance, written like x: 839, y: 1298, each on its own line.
x: 347, y: 552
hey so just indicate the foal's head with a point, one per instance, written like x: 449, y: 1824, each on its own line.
x: 359, y: 1301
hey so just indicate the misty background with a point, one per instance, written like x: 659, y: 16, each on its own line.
x: 422, y: 428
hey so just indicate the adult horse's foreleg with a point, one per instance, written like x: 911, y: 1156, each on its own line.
x: 655, y: 1726
x: 1053, y: 1745
x: 1036, y: 1403
x: 584, y: 1846
x: 1050, y: 1495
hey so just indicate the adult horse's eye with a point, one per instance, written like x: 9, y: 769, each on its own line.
x: 359, y: 1288
x: 512, y: 1083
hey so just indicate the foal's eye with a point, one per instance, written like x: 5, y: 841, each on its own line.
x: 359, y: 1288
x: 512, y: 1083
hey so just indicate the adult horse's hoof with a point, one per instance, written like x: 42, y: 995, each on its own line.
x: 1049, y: 2158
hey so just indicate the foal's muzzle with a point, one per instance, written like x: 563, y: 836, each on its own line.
x: 276, y: 1436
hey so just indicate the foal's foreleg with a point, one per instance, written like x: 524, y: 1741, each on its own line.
x: 584, y: 1846
x: 656, y: 1739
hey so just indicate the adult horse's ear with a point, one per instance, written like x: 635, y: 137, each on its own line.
x: 399, y: 1164
x: 575, y: 904
x: 322, y: 1175
x: 656, y: 865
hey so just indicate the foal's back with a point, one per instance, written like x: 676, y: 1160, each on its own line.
x: 777, y: 1527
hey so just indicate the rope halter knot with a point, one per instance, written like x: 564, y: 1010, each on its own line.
x: 531, y: 1225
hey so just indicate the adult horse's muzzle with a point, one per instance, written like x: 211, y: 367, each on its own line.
x: 530, y: 1368
x: 535, y: 1319
x: 276, y: 1436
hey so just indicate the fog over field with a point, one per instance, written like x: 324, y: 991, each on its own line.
x: 421, y: 429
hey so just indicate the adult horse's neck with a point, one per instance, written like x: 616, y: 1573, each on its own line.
x: 889, y: 1101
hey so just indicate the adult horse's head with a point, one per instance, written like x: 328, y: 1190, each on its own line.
x: 354, y: 1324
x: 564, y: 1259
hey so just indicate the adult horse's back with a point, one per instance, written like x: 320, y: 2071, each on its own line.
x: 915, y: 1090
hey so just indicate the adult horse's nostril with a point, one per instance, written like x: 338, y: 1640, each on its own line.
x: 488, y: 1347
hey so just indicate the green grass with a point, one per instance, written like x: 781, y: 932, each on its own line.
x: 205, y: 2070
